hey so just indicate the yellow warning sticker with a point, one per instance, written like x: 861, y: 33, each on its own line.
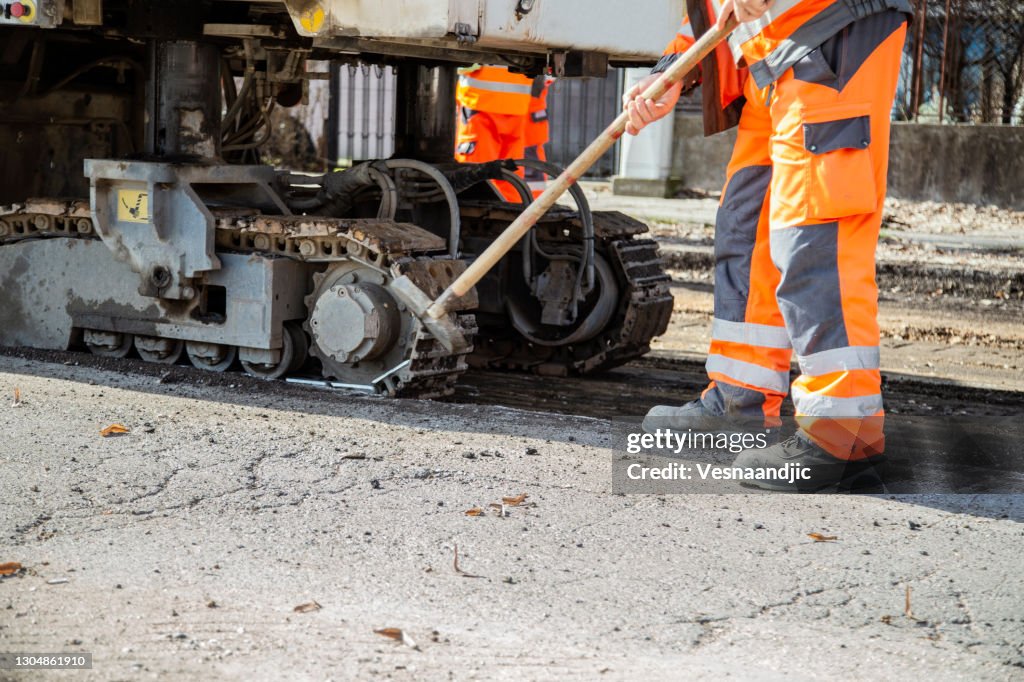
x: 312, y: 19
x: 132, y: 206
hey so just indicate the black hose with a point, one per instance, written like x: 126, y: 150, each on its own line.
x: 586, y: 216
x: 455, y: 228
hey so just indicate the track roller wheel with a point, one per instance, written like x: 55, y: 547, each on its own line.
x: 214, y: 357
x: 108, y: 344
x: 158, y: 350
x: 283, y: 366
x: 301, y: 342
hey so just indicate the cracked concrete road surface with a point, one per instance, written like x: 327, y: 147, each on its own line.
x: 180, y: 550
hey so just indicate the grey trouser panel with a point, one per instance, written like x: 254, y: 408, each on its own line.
x: 733, y: 400
x: 735, y: 232
x: 532, y: 174
x: 809, y: 294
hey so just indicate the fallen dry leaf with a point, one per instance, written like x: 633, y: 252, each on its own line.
x: 886, y: 619
x: 17, y: 397
x: 458, y: 569
x: 307, y: 607
x: 818, y: 537
x: 515, y: 501
x: 475, y: 511
x: 397, y: 634
x: 10, y: 568
x: 114, y: 430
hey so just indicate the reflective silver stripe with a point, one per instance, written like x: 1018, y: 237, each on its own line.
x: 840, y: 360
x: 750, y: 29
x: 750, y: 334
x: 512, y: 88
x: 749, y: 373
x: 812, y: 405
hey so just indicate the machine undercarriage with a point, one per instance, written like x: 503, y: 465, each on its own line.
x: 135, y: 217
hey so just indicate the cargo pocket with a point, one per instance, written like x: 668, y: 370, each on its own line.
x: 840, y: 174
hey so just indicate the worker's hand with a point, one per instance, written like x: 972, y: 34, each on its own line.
x: 643, y: 112
x: 745, y: 10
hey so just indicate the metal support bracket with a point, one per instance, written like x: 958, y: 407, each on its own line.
x: 156, y: 216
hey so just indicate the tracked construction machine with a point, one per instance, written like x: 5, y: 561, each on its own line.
x: 135, y: 215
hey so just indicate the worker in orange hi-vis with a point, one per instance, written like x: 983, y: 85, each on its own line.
x: 798, y: 220
x: 502, y: 115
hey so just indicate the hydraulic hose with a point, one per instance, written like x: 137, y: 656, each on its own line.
x: 455, y: 231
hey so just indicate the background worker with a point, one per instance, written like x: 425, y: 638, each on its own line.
x: 799, y: 217
x: 502, y: 115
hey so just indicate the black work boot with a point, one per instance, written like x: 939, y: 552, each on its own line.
x: 692, y: 415
x: 697, y: 416
x: 797, y: 464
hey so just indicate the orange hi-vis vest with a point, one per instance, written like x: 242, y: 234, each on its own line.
x: 766, y: 48
x: 493, y: 89
x: 791, y: 29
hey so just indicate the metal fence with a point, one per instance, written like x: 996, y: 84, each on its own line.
x: 579, y: 110
x: 964, y: 63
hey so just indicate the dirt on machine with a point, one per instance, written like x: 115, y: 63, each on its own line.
x: 136, y: 216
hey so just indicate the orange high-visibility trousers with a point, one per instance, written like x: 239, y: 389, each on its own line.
x: 483, y: 137
x: 795, y: 242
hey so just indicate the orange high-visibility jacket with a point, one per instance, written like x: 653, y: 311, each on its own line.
x: 762, y: 49
x: 495, y: 90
